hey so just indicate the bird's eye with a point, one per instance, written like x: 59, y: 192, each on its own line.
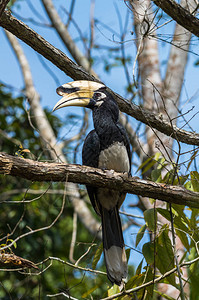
x: 99, y: 96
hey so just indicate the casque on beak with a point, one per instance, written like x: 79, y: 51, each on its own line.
x: 76, y: 93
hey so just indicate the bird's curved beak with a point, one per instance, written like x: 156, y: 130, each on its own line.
x: 76, y: 93
x: 79, y: 98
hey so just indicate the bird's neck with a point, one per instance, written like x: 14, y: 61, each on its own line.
x: 105, y: 124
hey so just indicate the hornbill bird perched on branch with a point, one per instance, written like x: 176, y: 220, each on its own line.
x: 105, y: 147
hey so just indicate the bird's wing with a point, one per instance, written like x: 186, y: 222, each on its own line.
x: 126, y: 143
x: 90, y: 157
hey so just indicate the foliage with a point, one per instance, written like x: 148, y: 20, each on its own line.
x: 23, y: 211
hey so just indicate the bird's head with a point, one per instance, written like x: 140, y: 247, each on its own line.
x: 82, y: 93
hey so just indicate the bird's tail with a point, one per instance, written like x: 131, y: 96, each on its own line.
x: 113, y: 242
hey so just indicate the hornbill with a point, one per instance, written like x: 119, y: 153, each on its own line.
x: 106, y: 147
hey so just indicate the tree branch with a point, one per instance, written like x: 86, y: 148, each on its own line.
x: 42, y: 171
x: 58, y: 58
x: 3, y: 4
x: 12, y: 260
x: 180, y: 15
x: 61, y: 29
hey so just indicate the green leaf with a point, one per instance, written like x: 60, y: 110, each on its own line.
x: 161, y: 163
x: 145, y: 162
x: 148, y: 252
x: 140, y: 234
x: 181, y: 180
x: 139, y: 268
x: 180, y: 223
x: 156, y: 175
x: 196, y: 63
x: 164, y: 212
x: 182, y: 236
x: 165, y: 256
x: 150, y: 216
x: 195, y: 180
x: 192, y: 159
x: 149, y: 166
x: 134, y: 281
x: 15, y: 244
x: 188, y: 185
x: 164, y: 295
x: 128, y: 252
x: 194, y: 218
x: 87, y: 293
x: 149, y: 277
x: 97, y: 256
x: 113, y: 290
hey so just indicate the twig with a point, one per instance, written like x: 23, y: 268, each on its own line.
x: 127, y: 292
x: 75, y: 266
x: 39, y: 229
x: 73, y: 239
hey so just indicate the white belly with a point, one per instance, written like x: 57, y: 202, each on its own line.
x: 114, y: 158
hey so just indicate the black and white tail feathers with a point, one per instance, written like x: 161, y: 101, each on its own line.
x: 113, y: 244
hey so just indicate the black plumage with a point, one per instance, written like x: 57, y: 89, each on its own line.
x: 106, y: 147
x: 108, y: 131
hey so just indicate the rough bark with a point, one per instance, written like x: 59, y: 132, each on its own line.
x: 3, y: 4
x: 42, y: 171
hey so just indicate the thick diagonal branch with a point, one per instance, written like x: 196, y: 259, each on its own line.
x: 58, y: 58
x: 181, y: 15
x: 3, y: 4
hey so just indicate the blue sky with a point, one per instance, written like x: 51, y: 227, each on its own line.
x: 106, y: 12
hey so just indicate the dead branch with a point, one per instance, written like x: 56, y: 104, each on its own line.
x: 43, y: 171
x: 12, y: 260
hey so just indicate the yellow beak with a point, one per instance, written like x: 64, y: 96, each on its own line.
x: 79, y: 98
x: 76, y: 93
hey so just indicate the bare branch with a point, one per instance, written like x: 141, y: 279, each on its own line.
x: 42, y: 171
x: 40, y: 45
x: 59, y: 59
x: 79, y: 57
x: 181, y: 15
